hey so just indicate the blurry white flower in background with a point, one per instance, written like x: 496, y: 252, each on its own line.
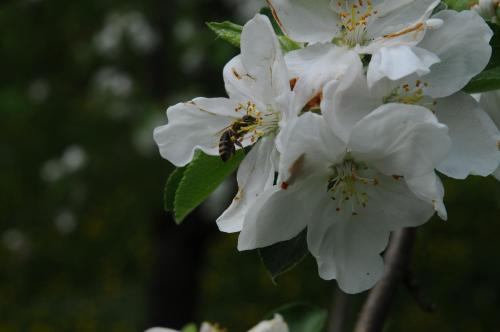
x: 73, y: 159
x: 131, y: 25
x: 246, y: 9
x: 65, y: 222
x: 14, y: 240
x: 113, y: 81
x: 39, y: 90
x: 184, y: 30
x: 192, y: 59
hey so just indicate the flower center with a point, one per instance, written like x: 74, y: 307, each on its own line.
x: 354, y: 19
x: 255, y: 123
x: 347, y: 183
x: 411, y: 94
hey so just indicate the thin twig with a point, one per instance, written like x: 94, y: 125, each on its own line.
x: 378, y: 304
x: 415, y: 288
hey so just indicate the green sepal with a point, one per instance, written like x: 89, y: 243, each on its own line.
x: 284, y: 256
x: 228, y: 31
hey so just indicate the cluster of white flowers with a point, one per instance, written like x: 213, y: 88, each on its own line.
x: 277, y: 324
x: 346, y: 133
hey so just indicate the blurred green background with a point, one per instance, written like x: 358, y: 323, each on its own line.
x: 84, y: 243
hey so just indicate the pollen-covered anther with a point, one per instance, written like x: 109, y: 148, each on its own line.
x: 411, y: 94
x: 354, y: 19
x: 346, y: 186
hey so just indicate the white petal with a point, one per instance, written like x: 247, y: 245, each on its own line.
x: 401, y: 207
x: 308, y: 21
x: 160, y: 329
x: 399, y: 61
x: 316, y: 65
x: 399, y: 139
x: 255, y: 174
x: 398, y: 15
x: 474, y: 149
x: 430, y: 189
x: 262, y: 59
x: 462, y: 44
x: 307, y: 146
x: 277, y: 324
x: 345, y: 102
x: 496, y: 174
x: 490, y: 102
x: 194, y: 125
x: 279, y: 215
x: 240, y: 86
x: 347, y: 247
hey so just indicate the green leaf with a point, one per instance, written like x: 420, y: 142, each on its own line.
x: 171, y: 188
x: 284, y: 256
x: 486, y: 81
x: 201, y: 177
x: 228, y: 31
x: 301, y: 317
x: 190, y: 328
x: 458, y: 5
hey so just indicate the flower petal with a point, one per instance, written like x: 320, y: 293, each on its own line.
x: 345, y: 102
x: 398, y: 15
x: 278, y: 215
x: 194, y: 125
x: 399, y: 61
x: 496, y: 174
x: 490, y: 102
x: 350, y: 255
x: 263, y: 60
x: 462, y: 44
x: 316, y: 65
x: 474, y: 148
x: 308, y: 21
x: 399, y: 139
x: 277, y: 324
x: 430, y: 189
x: 347, y: 246
x: 240, y: 86
x: 255, y: 174
x: 307, y: 146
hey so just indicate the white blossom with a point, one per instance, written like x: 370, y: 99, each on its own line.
x: 490, y: 102
x: 474, y: 151
x: 277, y: 324
x: 350, y: 194
x: 259, y: 92
x: 391, y: 31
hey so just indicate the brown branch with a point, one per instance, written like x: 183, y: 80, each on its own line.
x: 378, y: 304
x: 415, y: 289
x: 339, y: 311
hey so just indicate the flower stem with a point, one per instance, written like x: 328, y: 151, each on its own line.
x: 378, y: 304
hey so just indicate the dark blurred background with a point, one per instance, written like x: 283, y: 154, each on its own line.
x: 84, y: 242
